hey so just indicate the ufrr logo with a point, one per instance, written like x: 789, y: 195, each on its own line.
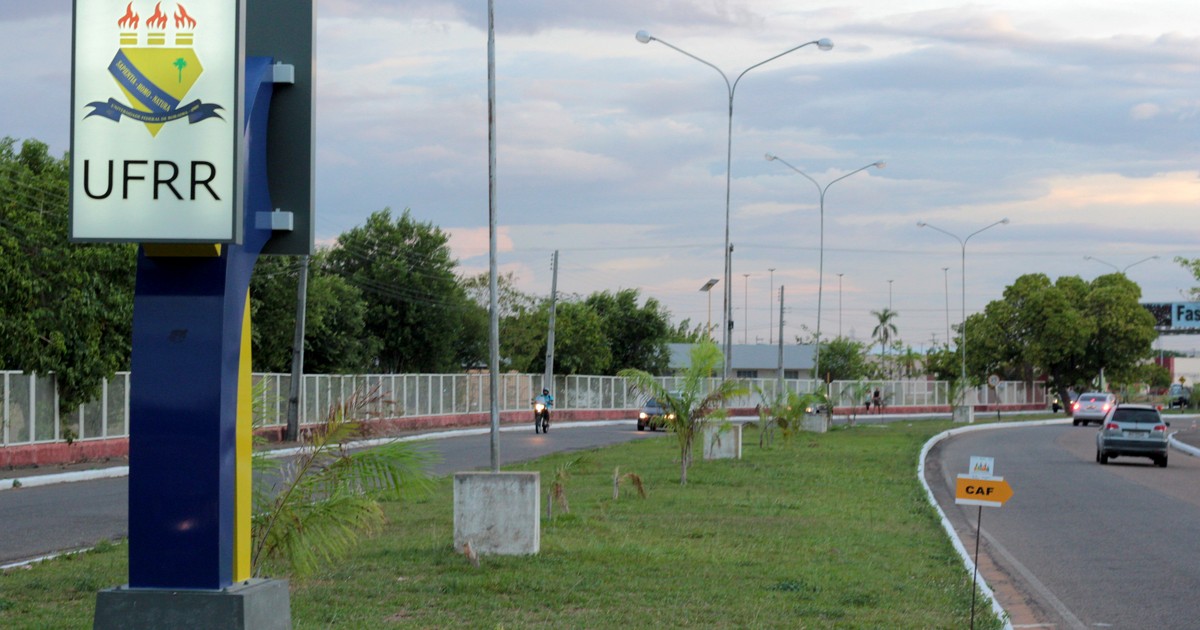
x: 155, y: 77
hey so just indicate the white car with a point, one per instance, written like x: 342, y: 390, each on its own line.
x: 1092, y: 407
x: 1134, y: 430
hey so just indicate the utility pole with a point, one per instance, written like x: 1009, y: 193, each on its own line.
x: 493, y: 281
x: 293, y: 413
x: 770, y: 310
x: 548, y: 379
x: 781, y: 338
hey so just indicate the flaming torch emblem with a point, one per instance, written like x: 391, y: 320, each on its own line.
x: 155, y: 78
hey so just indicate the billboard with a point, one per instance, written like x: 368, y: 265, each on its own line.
x: 156, y: 121
x: 1180, y: 316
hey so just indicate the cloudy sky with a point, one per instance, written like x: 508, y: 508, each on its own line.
x: 1074, y: 119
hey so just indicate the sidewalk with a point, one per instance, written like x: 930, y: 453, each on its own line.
x: 1185, y: 431
x: 119, y: 466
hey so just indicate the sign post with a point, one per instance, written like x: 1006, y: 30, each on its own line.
x: 982, y: 488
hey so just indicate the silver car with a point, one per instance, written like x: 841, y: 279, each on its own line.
x: 1134, y: 430
x: 1092, y: 407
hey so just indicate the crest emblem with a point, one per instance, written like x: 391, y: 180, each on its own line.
x: 154, y: 77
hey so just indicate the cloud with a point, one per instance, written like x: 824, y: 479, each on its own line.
x: 472, y: 242
x: 1144, y: 111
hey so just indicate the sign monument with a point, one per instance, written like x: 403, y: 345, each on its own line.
x: 170, y: 149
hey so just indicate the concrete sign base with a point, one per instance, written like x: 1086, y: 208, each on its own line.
x: 964, y: 414
x: 497, y: 513
x: 254, y: 604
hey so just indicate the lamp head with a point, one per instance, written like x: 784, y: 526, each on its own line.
x: 921, y: 224
x: 769, y: 157
x: 825, y: 43
x: 879, y: 164
x: 1004, y: 220
x: 644, y: 37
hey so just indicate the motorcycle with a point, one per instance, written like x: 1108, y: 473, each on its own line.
x: 541, y: 415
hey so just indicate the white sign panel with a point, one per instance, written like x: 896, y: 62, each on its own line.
x: 156, y: 121
x: 982, y: 467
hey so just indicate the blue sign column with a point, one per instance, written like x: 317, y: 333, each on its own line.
x: 187, y: 343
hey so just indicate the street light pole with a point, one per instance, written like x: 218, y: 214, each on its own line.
x: 821, y: 264
x: 646, y: 38
x: 707, y: 288
x: 1118, y: 269
x: 745, y: 306
x: 963, y: 243
x: 890, y: 294
x: 840, y: 305
x: 946, y: 281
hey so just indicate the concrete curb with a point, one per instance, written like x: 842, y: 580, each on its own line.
x: 34, y: 481
x: 953, y: 535
x: 1186, y: 449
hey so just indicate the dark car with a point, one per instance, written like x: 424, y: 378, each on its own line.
x: 654, y: 415
x: 1179, y: 396
x: 1133, y: 430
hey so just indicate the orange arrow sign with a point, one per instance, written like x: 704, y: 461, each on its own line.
x: 988, y: 492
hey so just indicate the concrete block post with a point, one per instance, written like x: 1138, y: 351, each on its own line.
x: 722, y: 442
x: 497, y: 513
x: 814, y: 423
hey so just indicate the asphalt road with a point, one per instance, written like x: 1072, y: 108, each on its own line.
x: 1080, y: 545
x: 38, y: 521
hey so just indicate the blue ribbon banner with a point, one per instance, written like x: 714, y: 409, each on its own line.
x: 163, y: 107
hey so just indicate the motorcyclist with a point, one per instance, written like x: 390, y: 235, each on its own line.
x: 541, y: 411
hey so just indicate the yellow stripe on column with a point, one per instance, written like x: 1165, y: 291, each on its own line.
x: 245, y: 448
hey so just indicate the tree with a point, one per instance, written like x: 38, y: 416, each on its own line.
x: 909, y: 361
x: 335, y: 339
x: 1192, y: 265
x: 942, y: 363
x: 1124, y: 330
x: 416, y: 307
x: 690, y: 404
x: 843, y: 359
x: 784, y: 409
x: 637, y: 336
x: 520, y: 333
x: 313, y: 509
x: 684, y: 332
x: 1063, y: 329
x: 272, y: 313
x: 65, y: 308
x: 884, y: 330
x: 580, y: 346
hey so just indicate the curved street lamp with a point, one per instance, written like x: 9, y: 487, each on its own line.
x: 821, y: 265
x: 1118, y: 269
x: 963, y: 243
x: 646, y: 38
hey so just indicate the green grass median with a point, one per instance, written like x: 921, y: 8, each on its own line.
x: 827, y: 530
